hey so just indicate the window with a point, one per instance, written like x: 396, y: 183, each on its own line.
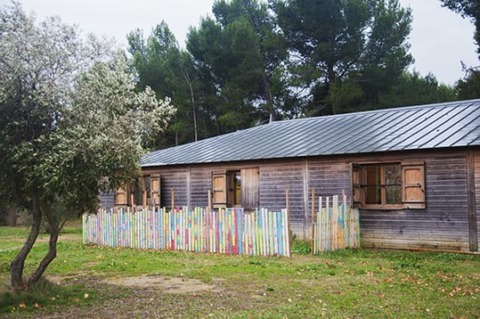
x: 137, y: 190
x: 142, y: 192
x: 235, y: 188
x: 388, y: 185
x: 155, y: 189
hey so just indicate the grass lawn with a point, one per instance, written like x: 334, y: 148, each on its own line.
x: 94, y: 282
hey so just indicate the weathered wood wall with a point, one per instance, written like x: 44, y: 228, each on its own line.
x: 176, y: 180
x: 443, y: 225
x: 275, y: 179
x: 200, y: 183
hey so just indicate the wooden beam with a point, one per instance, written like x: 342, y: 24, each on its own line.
x: 313, y: 221
x: 472, y: 212
x: 144, y: 190
x: 287, y: 204
x: 189, y: 188
x: 209, y: 206
x: 305, y: 199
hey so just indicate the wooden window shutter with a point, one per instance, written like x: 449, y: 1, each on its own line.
x: 356, y: 186
x: 155, y: 188
x: 413, y: 185
x: 250, y: 188
x: 219, y: 189
x: 121, y: 197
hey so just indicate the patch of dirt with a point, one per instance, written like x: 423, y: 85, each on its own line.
x: 61, y: 238
x: 58, y: 280
x: 166, y: 284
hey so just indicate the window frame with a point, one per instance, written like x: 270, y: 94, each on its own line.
x: 412, y: 185
x: 138, y: 193
x: 226, y: 193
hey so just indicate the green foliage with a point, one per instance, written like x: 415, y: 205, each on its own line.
x: 469, y: 86
x: 303, y: 247
x: 358, y: 42
x: 170, y: 72
x: 78, y: 121
x: 253, y: 61
x: 242, y: 53
x: 409, y: 89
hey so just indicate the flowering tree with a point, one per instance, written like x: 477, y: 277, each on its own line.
x: 72, y: 124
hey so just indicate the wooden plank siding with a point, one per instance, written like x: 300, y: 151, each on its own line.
x: 275, y: 179
x: 175, y: 180
x: 201, y: 183
x: 329, y: 178
x: 442, y: 225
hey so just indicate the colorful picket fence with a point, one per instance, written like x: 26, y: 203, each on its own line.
x: 226, y: 231
x: 335, y: 226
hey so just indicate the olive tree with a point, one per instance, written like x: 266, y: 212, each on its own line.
x: 72, y: 124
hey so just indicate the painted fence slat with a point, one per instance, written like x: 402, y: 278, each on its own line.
x: 336, y: 226
x: 226, y: 231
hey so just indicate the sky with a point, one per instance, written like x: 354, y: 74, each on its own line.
x: 440, y: 39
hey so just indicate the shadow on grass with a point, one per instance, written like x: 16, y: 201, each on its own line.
x: 43, y: 295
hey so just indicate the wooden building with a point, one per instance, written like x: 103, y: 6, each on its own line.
x: 414, y: 172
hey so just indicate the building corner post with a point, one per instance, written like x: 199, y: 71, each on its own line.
x: 471, y: 198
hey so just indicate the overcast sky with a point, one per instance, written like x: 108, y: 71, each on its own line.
x: 440, y: 39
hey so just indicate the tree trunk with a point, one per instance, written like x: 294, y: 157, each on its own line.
x: 54, y: 229
x: 194, y: 110
x: 189, y: 82
x: 49, y: 257
x: 269, y: 98
x: 13, y: 217
x: 331, y: 80
x: 18, y: 264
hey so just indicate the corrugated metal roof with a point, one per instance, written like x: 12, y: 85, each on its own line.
x: 454, y: 124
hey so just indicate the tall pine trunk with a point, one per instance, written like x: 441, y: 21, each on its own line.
x: 269, y: 98
x: 194, y: 111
